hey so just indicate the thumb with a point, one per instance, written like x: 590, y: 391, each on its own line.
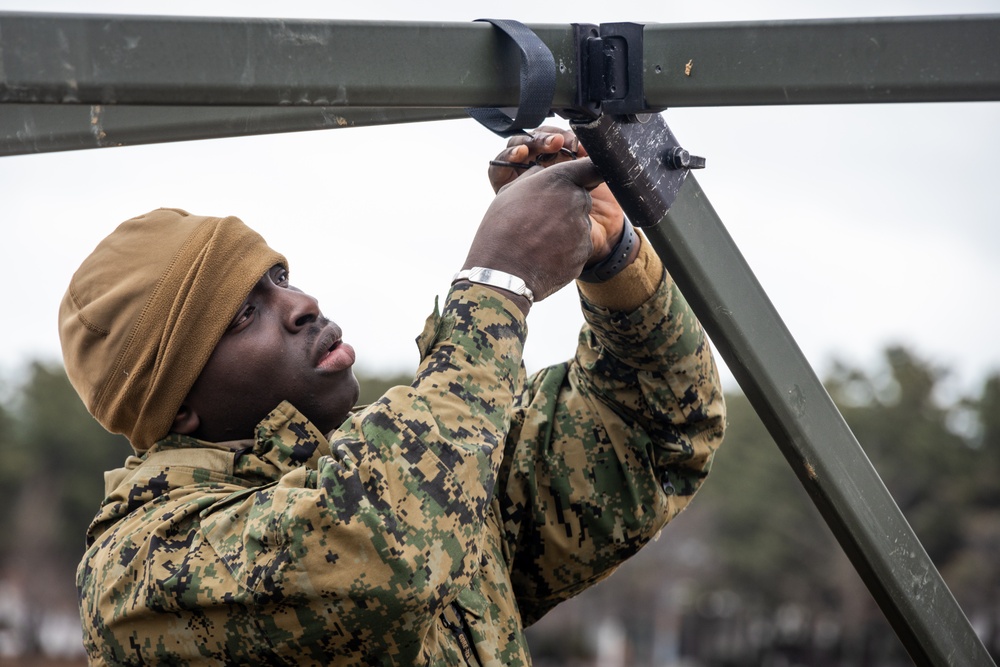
x: 581, y: 172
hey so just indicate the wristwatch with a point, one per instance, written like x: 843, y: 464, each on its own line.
x: 494, y: 278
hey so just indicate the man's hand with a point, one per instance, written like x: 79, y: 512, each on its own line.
x: 544, y: 149
x: 537, y: 227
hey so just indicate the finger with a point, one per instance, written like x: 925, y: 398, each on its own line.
x: 507, y: 166
x: 517, y: 159
x: 553, y: 157
x: 513, y: 155
x: 532, y: 169
x: 517, y: 153
x: 551, y: 129
x: 570, y: 141
x: 536, y: 139
x: 552, y: 151
x: 542, y: 142
x: 571, y: 144
x: 580, y: 172
x: 548, y: 145
x: 562, y: 144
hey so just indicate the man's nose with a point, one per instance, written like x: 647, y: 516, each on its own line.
x: 300, y: 309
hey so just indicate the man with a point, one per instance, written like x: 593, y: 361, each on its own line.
x: 265, y: 522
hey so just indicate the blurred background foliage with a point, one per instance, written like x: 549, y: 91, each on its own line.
x: 748, y: 575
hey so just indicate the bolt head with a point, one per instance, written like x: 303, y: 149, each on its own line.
x: 678, y: 158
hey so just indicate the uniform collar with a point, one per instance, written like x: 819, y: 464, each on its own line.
x: 285, y: 440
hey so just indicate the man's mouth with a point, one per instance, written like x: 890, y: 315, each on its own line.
x: 339, y: 356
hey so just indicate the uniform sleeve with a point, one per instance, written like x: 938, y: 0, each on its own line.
x: 357, y: 557
x: 609, y: 447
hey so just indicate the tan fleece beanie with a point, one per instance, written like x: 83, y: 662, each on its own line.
x: 144, y: 312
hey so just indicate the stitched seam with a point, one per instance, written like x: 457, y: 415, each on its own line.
x: 90, y: 325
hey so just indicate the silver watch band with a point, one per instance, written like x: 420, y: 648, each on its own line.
x: 494, y: 278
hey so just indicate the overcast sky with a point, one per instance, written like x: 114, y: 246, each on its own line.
x: 867, y: 225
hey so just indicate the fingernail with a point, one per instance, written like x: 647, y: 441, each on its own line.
x: 548, y: 140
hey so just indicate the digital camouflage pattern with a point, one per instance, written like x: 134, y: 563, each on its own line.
x: 433, y: 525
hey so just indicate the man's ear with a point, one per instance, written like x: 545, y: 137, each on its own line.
x: 186, y: 422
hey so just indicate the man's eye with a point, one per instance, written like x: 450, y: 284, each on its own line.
x: 281, y: 277
x: 242, y: 316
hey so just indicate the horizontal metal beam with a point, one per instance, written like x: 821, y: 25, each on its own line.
x: 103, y: 79
x: 91, y: 59
x: 94, y: 59
x: 846, y: 61
x: 42, y: 128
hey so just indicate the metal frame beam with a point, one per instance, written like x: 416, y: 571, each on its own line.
x: 811, y: 433
x: 913, y: 59
x: 377, y: 72
x: 95, y: 59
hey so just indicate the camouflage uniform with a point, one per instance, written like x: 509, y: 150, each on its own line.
x: 433, y: 525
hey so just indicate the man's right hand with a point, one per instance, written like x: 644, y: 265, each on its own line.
x: 544, y: 147
x: 537, y: 227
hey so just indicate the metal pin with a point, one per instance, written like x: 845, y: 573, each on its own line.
x: 512, y: 165
x: 540, y: 160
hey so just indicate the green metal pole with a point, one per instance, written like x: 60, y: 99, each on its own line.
x: 844, y: 61
x: 189, y: 64
x: 812, y: 434
x: 90, y: 59
x: 96, y: 59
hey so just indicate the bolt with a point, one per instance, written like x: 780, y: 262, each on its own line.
x: 678, y: 158
x: 637, y: 117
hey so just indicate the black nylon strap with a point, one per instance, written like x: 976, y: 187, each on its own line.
x: 616, y: 261
x: 538, y: 83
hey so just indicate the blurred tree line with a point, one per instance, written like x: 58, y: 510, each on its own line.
x: 749, y: 575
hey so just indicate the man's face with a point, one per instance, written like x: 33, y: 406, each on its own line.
x: 277, y: 347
